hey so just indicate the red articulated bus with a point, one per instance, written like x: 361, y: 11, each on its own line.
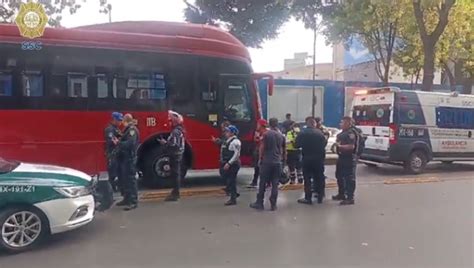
x: 55, y: 101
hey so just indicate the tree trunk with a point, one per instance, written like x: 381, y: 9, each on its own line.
x: 428, y: 68
x: 451, y: 78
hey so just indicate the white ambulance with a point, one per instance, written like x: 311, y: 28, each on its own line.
x: 412, y: 128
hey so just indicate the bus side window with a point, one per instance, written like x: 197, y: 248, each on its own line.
x: 5, y: 84
x: 77, y: 85
x: 32, y: 84
x: 57, y: 85
x: 102, y: 86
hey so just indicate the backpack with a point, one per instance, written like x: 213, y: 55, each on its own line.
x: 360, y: 141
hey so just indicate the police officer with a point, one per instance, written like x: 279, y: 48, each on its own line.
x: 313, y: 144
x: 174, y: 146
x: 327, y: 134
x: 230, y: 162
x: 128, y: 146
x: 293, y: 155
x: 111, y: 134
x: 346, y: 163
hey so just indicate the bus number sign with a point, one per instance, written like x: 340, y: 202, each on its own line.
x: 150, y: 122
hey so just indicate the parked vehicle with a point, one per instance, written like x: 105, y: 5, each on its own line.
x: 331, y: 145
x: 412, y: 128
x: 38, y: 200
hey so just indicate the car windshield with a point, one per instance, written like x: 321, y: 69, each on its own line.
x: 7, y: 166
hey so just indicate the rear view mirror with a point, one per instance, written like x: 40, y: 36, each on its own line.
x: 270, y: 84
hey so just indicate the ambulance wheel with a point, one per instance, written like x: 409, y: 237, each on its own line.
x: 22, y: 228
x: 157, y: 172
x: 416, y: 162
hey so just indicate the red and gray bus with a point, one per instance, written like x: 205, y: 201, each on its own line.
x: 56, y: 99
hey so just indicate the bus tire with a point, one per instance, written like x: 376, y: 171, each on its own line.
x: 416, y: 162
x: 29, y: 220
x: 156, y: 172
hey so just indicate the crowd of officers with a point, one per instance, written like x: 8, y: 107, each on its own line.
x: 121, y: 154
x: 302, y: 150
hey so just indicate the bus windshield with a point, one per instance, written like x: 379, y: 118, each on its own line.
x: 372, y: 115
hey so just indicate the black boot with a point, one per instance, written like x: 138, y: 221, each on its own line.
x: 172, y: 198
x: 273, y: 207
x: 257, y: 206
x: 231, y: 202
x: 122, y: 203
x: 338, y: 197
x: 130, y: 207
x: 305, y: 201
x: 347, y: 202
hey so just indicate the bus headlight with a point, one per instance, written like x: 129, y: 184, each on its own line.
x: 73, y: 191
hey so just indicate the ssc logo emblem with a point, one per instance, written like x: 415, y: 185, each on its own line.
x: 31, y: 20
x: 380, y: 113
x: 411, y: 114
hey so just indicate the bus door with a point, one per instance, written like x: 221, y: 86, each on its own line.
x: 237, y: 106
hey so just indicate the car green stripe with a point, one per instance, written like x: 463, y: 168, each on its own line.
x: 41, y: 179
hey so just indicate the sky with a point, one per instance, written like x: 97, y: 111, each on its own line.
x: 293, y: 36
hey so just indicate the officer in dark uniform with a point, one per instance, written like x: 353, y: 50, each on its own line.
x: 175, y: 145
x: 128, y: 146
x: 230, y: 162
x: 313, y: 144
x: 346, y: 163
x: 111, y: 134
x: 327, y: 134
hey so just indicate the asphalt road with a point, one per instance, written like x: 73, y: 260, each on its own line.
x: 391, y: 225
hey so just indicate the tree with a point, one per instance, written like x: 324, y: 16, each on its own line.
x: 250, y: 21
x: 53, y: 8
x: 374, y: 23
x: 431, y: 18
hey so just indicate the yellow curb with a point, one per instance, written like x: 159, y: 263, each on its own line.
x: 290, y: 187
x: 192, y: 192
x: 412, y: 180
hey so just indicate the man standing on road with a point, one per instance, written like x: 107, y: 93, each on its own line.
x: 272, y: 155
x: 293, y: 155
x: 313, y: 144
x: 262, y: 125
x: 230, y: 162
x: 287, y: 123
x: 327, y: 134
x: 174, y: 146
x: 112, y: 133
x: 346, y: 163
x: 128, y: 146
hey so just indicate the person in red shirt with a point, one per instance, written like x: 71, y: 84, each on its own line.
x: 262, y: 126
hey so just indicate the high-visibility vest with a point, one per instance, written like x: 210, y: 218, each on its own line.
x: 291, y: 139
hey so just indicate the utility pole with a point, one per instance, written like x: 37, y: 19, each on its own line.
x: 109, y: 8
x: 315, y: 34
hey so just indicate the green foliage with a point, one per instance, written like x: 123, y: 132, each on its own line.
x: 53, y: 8
x: 250, y: 21
x: 374, y: 23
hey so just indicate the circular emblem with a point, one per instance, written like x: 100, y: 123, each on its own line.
x: 380, y: 113
x: 411, y: 114
x: 31, y: 20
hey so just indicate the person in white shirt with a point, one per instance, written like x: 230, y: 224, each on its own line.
x: 230, y: 162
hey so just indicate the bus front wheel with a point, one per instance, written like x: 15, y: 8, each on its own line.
x: 416, y: 162
x: 157, y: 171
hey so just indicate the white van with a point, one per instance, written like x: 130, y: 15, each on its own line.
x: 411, y: 128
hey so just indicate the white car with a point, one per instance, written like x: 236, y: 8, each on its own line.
x: 37, y: 200
x: 331, y: 145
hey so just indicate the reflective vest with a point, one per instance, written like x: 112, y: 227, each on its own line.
x: 291, y: 139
